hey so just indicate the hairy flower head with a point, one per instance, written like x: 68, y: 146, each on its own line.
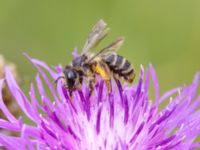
x: 125, y: 119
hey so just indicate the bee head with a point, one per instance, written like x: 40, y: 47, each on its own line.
x: 71, y: 78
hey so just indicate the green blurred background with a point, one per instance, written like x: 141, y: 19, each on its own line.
x: 164, y: 33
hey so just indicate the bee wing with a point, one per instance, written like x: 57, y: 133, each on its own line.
x: 99, y: 31
x: 114, y: 46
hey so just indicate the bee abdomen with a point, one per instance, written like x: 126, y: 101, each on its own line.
x: 120, y: 66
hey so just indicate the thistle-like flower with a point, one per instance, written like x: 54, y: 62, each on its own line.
x: 125, y: 119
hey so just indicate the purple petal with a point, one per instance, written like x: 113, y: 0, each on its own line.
x: 98, y: 121
x: 19, y: 95
x: 75, y: 53
x: 155, y: 82
x: 46, y: 79
x: 111, y: 101
x: 3, y: 107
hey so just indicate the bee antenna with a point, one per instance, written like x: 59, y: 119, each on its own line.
x: 56, y: 81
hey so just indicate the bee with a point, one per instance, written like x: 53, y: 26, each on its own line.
x: 106, y: 63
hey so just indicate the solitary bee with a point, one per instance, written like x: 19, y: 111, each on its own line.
x: 106, y: 63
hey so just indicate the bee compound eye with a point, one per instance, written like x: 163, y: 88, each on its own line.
x: 70, y: 74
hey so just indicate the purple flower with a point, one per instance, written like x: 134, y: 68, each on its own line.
x: 125, y: 119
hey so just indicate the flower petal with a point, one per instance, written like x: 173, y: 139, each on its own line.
x: 19, y: 95
x: 3, y: 107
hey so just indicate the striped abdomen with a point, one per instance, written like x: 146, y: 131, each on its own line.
x: 120, y: 66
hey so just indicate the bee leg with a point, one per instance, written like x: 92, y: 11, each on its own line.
x: 108, y: 86
x: 91, y: 85
x: 70, y: 94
